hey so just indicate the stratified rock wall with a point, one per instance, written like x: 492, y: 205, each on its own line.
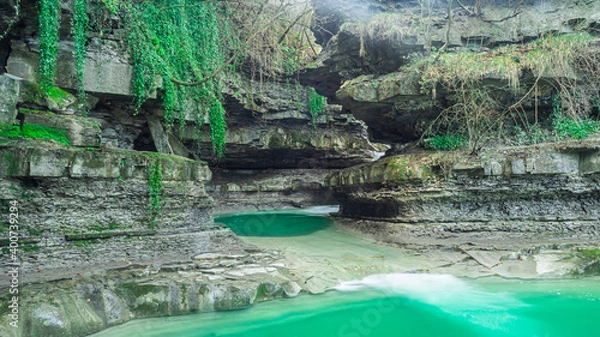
x: 71, y: 199
x: 270, y: 127
x: 251, y: 190
x: 528, y: 188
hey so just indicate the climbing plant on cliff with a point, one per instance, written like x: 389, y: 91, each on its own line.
x: 78, y: 30
x: 317, y: 104
x: 179, y: 42
x: 183, y: 50
x: 155, y: 183
x: 49, y: 19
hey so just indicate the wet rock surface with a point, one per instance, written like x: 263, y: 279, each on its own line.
x: 483, y: 249
x: 233, y: 274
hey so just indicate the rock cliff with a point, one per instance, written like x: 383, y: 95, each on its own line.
x: 367, y: 47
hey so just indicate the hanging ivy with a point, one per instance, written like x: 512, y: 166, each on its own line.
x: 79, y: 26
x: 317, y: 104
x: 218, y: 127
x: 49, y: 17
x: 155, y: 190
x: 179, y: 42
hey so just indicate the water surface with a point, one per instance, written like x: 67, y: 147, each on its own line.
x: 274, y: 223
x: 416, y: 305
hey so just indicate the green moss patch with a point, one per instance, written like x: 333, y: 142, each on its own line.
x: 35, y: 131
x: 591, y: 261
x: 446, y: 142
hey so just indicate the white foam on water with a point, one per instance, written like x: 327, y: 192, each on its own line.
x: 321, y: 210
x: 448, y: 293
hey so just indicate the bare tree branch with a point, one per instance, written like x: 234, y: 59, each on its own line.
x: 503, y: 19
x: 291, y: 25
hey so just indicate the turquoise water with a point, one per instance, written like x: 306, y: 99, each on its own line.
x: 274, y: 223
x: 416, y: 305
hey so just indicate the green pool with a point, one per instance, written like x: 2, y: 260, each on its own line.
x: 274, y: 223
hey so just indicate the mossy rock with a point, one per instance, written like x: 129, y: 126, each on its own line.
x: 268, y: 290
x: 590, y: 261
x: 13, y: 162
x: 56, y: 100
x: 232, y: 298
x: 80, y: 131
x: 143, y: 299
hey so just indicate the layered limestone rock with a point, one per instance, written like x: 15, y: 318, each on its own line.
x: 533, y: 190
x: 210, y: 280
x: 10, y: 87
x: 269, y: 123
x: 392, y: 105
x: 270, y: 126
x: 362, y: 46
x: 251, y: 190
x: 107, y: 72
x: 84, y: 206
x: 359, y: 65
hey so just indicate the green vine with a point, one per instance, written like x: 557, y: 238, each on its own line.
x: 179, y: 42
x: 79, y: 26
x: 218, y: 127
x: 155, y: 186
x: 317, y: 104
x: 49, y: 17
x: 111, y: 5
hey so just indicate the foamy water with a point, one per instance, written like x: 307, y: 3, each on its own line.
x: 411, y: 305
x: 448, y: 293
x: 321, y: 210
